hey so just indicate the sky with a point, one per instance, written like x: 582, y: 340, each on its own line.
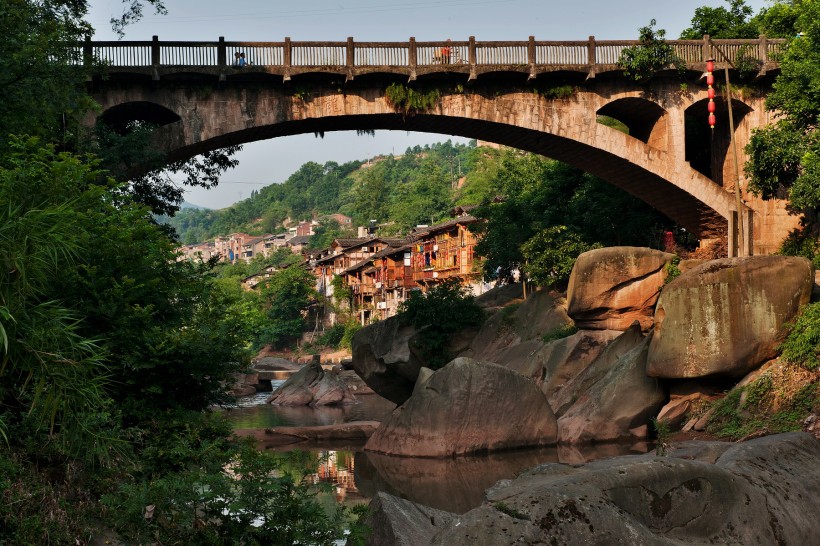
x: 272, y: 161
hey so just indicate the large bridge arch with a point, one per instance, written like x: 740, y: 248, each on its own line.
x: 651, y: 165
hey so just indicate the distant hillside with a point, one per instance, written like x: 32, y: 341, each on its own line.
x: 418, y: 187
x: 544, y: 200
x: 187, y: 205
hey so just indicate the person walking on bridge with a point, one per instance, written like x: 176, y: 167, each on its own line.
x: 445, y: 53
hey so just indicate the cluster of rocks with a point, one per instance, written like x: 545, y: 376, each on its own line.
x: 313, y: 386
x: 763, y: 491
x: 258, y: 378
x: 643, y: 342
x: 647, y: 346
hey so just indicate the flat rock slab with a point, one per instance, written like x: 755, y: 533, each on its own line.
x: 354, y: 431
x: 275, y: 363
x: 761, y: 492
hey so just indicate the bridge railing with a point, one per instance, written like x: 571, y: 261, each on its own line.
x: 380, y: 54
x: 411, y: 54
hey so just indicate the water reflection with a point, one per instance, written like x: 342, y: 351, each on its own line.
x: 255, y: 413
x: 338, y: 469
x: 458, y: 484
x: 455, y: 484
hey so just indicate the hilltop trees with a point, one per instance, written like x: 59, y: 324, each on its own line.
x: 416, y: 188
x: 720, y: 22
x: 550, y: 212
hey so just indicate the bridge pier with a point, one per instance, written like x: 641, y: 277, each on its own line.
x: 747, y: 239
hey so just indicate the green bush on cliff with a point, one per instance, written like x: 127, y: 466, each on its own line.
x: 778, y: 401
x: 802, y: 346
x: 437, y: 315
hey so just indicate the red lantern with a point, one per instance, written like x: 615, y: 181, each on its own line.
x: 710, y: 65
x: 712, y: 120
x: 711, y: 93
x: 710, y: 79
x: 711, y: 107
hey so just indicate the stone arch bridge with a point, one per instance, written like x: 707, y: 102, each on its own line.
x: 543, y: 97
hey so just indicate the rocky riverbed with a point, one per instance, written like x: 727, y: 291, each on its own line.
x: 647, y: 346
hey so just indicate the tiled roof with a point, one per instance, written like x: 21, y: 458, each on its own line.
x: 299, y: 240
x: 390, y: 250
x: 347, y: 243
x: 357, y: 266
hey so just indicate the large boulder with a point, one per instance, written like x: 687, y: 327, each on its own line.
x: 244, y: 384
x: 385, y: 354
x: 616, y: 407
x: 519, y: 322
x: 393, y: 521
x: 759, y: 492
x: 382, y: 358
x: 312, y: 386
x: 563, y: 359
x: 467, y: 406
x: 576, y: 386
x: 609, y: 288
x: 552, y: 364
x: 727, y: 316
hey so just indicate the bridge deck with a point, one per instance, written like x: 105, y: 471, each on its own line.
x: 350, y: 57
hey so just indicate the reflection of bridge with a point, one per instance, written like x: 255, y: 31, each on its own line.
x: 503, y: 92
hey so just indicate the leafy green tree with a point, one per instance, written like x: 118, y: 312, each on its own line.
x: 778, y: 20
x: 422, y: 199
x: 373, y: 191
x: 94, y: 308
x: 51, y: 375
x: 286, y: 297
x: 720, y: 22
x: 652, y: 54
x: 550, y: 254
x: 541, y: 194
x: 783, y: 157
x: 439, y: 313
x: 41, y: 78
x: 325, y: 233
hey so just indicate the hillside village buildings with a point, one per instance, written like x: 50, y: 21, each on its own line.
x: 379, y: 272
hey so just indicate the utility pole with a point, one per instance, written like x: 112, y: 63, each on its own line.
x: 739, y: 237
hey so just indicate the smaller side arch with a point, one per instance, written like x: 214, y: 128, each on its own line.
x: 121, y: 116
x: 646, y: 120
x: 707, y: 149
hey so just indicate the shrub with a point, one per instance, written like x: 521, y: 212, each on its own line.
x: 672, y: 270
x: 641, y: 62
x: 351, y: 327
x: 778, y: 401
x: 560, y: 333
x: 802, y: 346
x: 333, y: 335
x: 256, y: 497
x: 438, y: 314
x: 409, y: 100
x: 550, y: 255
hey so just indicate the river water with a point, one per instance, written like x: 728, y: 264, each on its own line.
x: 454, y: 484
